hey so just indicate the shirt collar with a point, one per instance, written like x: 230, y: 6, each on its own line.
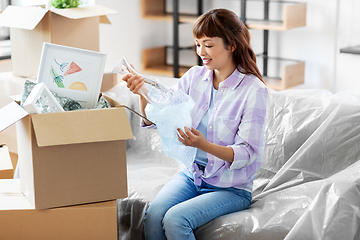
x: 232, y: 81
x: 208, y: 75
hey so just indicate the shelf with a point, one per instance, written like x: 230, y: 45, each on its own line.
x: 154, y: 62
x: 292, y: 75
x: 169, y: 17
x: 294, y: 15
x: 155, y: 10
x: 351, y: 50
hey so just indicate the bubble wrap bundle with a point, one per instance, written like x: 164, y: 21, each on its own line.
x: 170, y: 116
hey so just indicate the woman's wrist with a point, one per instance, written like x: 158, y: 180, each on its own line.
x: 143, y: 103
x: 222, y: 152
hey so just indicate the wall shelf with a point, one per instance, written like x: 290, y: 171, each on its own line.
x: 154, y: 62
x: 351, y: 50
x: 294, y: 16
x: 155, y: 10
x: 292, y: 75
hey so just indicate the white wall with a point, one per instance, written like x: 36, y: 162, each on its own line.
x: 331, y: 25
x: 348, y: 65
x: 128, y: 33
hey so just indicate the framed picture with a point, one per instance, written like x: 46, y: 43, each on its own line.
x: 72, y: 72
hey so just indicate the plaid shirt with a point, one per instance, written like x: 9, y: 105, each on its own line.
x: 237, y: 120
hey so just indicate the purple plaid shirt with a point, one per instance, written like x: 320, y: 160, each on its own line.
x: 237, y: 120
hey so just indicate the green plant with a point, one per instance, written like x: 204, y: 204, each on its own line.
x: 65, y: 3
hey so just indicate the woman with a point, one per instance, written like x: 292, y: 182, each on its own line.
x: 228, y: 130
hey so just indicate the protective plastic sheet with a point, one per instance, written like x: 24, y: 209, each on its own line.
x: 308, y: 187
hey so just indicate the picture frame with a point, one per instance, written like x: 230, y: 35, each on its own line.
x: 72, y: 72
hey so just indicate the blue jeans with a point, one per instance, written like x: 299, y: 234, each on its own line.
x: 181, y: 206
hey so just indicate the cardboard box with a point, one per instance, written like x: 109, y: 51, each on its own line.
x: 30, y: 27
x: 6, y: 167
x: 13, y: 85
x: 75, y: 157
x: 14, y: 159
x: 19, y: 220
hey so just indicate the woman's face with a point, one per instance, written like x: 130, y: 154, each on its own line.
x: 213, y: 53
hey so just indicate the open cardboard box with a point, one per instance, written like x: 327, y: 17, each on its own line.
x: 6, y: 167
x: 19, y: 219
x: 69, y: 158
x: 13, y: 85
x: 30, y: 27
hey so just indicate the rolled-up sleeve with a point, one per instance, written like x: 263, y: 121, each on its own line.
x: 249, y: 139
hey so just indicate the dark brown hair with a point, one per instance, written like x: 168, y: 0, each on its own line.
x: 227, y: 25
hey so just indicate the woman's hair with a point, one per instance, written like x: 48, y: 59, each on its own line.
x: 227, y: 25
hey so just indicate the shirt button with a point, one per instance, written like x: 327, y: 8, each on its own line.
x: 210, y: 127
x: 211, y: 164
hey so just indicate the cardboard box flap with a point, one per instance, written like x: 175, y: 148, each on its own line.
x: 13, y: 113
x: 29, y: 17
x: 22, y: 17
x: 84, y: 12
x: 104, y: 20
x: 6, y: 167
x: 81, y: 126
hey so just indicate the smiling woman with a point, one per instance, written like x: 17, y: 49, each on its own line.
x: 235, y: 38
x: 227, y: 130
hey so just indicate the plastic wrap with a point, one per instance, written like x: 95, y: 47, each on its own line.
x: 152, y: 90
x: 307, y: 188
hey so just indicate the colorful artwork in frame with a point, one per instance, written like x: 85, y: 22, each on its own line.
x: 72, y: 72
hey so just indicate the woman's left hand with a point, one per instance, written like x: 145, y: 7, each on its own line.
x: 193, y: 138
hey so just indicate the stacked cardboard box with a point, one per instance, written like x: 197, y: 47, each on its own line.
x: 19, y: 219
x: 72, y: 164
x: 66, y: 159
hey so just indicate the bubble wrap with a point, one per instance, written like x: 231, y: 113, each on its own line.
x: 170, y: 116
x: 43, y: 104
x: 102, y: 103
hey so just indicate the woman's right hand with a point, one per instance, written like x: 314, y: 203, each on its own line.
x: 134, y: 82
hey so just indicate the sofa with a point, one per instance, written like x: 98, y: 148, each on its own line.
x: 309, y: 183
